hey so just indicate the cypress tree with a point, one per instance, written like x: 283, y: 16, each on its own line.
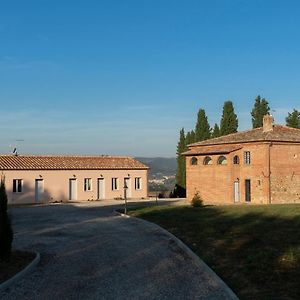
x: 293, y: 119
x: 229, y: 121
x: 202, y: 130
x: 215, y: 131
x: 260, y: 108
x: 190, y: 138
x: 6, y: 233
x: 180, y: 174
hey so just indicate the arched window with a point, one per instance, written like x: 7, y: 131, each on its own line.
x: 222, y: 160
x: 194, y: 161
x: 236, y: 160
x: 207, y: 160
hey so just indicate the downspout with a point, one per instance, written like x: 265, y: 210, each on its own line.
x: 269, y: 171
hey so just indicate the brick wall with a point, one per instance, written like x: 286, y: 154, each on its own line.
x: 215, y: 183
x: 285, y: 173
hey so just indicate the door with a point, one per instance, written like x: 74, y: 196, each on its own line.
x: 236, y: 191
x: 100, y: 189
x: 39, y: 190
x: 73, y: 189
x: 128, y: 190
x: 247, y: 190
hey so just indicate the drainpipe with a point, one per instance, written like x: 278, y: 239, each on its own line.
x: 269, y: 171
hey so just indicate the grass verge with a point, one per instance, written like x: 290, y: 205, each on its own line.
x: 18, y: 261
x: 254, y: 249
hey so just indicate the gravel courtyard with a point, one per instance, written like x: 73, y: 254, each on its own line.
x: 89, y: 252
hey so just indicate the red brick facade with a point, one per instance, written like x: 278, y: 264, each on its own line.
x: 258, y: 166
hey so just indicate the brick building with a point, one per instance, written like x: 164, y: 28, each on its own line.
x: 40, y: 179
x: 256, y: 166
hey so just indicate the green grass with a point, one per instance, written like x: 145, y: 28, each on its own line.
x: 254, y: 249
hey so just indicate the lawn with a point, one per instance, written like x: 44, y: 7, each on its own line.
x: 254, y: 249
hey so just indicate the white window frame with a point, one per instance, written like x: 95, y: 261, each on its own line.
x: 115, y: 184
x: 87, y: 185
x: 247, y: 158
x: 138, y: 183
x: 17, y: 186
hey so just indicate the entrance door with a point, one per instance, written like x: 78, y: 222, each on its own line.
x: 247, y: 190
x: 236, y: 191
x: 128, y: 190
x: 39, y: 190
x: 100, y: 189
x: 73, y: 189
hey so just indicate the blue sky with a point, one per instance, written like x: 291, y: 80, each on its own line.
x: 122, y: 77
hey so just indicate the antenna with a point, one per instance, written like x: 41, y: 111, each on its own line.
x: 15, y: 147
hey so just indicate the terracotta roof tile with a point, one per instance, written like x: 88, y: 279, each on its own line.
x: 279, y: 133
x: 12, y: 162
x: 224, y: 149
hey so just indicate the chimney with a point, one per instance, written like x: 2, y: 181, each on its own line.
x: 268, y: 123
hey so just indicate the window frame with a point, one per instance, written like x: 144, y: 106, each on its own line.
x: 194, y: 161
x: 114, y: 184
x: 207, y: 162
x: 247, y: 158
x: 87, y: 184
x: 17, y: 186
x: 220, y: 162
x: 138, y: 183
x: 236, y: 160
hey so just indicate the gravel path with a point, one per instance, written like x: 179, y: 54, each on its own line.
x: 88, y: 252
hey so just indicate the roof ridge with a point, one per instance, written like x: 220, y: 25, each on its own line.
x: 227, y: 135
x: 69, y: 156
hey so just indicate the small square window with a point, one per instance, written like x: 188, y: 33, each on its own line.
x: 87, y: 184
x: 138, y: 183
x: 17, y: 185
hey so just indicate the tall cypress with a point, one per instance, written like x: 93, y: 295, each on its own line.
x: 202, y: 130
x: 260, y: 108
x: 293, y: 119
x: 189, y: 138
x: 215, y: 131
x: 229, y: 121
x: 6, y: 233
x: 181, y: 147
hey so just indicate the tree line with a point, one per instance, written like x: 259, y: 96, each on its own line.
x: 228, y: 124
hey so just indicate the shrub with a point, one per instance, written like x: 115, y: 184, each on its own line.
x: 197, y: 200
x: 6, y: 233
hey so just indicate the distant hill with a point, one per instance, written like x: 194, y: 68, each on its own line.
x: 160, y: 166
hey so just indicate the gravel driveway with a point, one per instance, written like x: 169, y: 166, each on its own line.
x: 89, y: 252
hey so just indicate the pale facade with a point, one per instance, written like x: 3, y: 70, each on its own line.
x: 42, y: 179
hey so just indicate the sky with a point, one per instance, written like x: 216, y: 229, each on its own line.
x: 123, y: 77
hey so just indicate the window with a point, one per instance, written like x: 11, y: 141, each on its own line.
x: 194, y: 161
x: 17, y: 185
x: 247, y: 157
x: 114, y: 184
x: 236, y: 160
x: 247, y: 190
x: 222, y: 160
x: 207, y: 160
x: 138, y: 183
x: 87, y: 184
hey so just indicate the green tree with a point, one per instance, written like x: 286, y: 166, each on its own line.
x: 260, y: 108
x: 181, y: 147
x: 293, y: 119
x: 190, y: 138
x: 202, y: 130
x: 6, y: 233
x: 229, y: 121
x: 215, y: 131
